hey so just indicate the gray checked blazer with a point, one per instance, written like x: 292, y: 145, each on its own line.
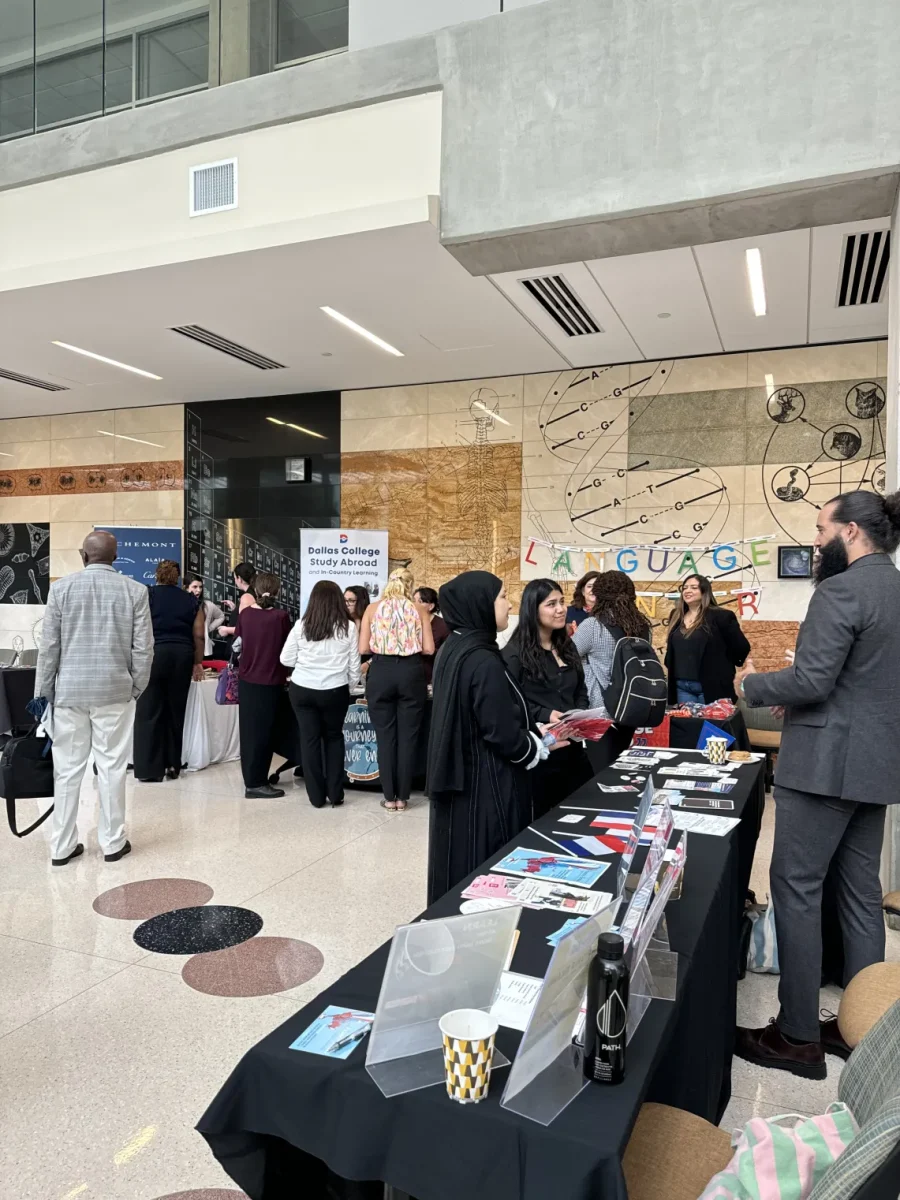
x: 842, y: 695
x: 96, y: 640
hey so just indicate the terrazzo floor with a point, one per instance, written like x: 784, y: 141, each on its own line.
x: 110, y: 1051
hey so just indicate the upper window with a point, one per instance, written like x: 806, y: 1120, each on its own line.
x: 310, y: 27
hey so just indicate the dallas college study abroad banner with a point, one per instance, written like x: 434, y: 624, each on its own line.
x: 141, y: 549
x: 345, y: 556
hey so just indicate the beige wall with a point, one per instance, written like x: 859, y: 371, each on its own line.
x: 64, y: 470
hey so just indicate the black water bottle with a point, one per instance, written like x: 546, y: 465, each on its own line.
x: 606, y: 1013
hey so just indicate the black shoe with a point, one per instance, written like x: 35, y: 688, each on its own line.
x: 126, y: 849
x: 768, y: 1047
x: 173, y: 772
x: 266, y: 792
x: 831, y: 1039
x: 61, y: 862
x: 153, y: 779
x: 337, y: 803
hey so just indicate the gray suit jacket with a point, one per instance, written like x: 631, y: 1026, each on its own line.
x: 842, y: 725
x: 96, y: 640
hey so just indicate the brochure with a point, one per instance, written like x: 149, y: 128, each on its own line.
x: 612, y: 787
x: 531, y: 893
x: 582, y: 725
x: 571, y: 819
x: 700, y: 785
x: 558, y: 868
x: 516, y: 997
x: 335, y: 1033
x: 553, y: 938
x: 698, y: 823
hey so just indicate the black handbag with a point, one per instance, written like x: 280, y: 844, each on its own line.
x: 26, y: 773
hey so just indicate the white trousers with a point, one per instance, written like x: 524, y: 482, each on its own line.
x: 106, y: 730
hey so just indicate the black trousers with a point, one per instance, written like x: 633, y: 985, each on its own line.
x: 557, y: 777
x: 396, y: 693
x: 320, y: 715
x: 616, y: 739
x: 159, y: 714
x: 258, y: 705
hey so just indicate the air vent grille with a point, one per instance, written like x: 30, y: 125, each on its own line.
x: 561, y: 304
x: 213, y: 187
x: 216, y: 342
x: 864, y: 265
x: 29, y: 381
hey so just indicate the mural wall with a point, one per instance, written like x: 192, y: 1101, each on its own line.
x: 656, y: 469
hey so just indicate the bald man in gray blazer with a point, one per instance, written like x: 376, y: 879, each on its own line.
x: 838, y: 769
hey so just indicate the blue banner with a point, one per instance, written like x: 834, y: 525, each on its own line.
x: 140, y: 550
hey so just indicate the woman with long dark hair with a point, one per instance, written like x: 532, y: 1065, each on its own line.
x: 357, y: 600
x: 244, y: 580
x: 179, y: 635
x: 705, y: 647
x: 428, y: 598
x: 542, y: 659
x: 481, y: 739
x: 324, y: 651
x: 615, y: 614
x: 263, y: 629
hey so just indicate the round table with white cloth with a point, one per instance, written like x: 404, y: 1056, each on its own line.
x: 211, y: 732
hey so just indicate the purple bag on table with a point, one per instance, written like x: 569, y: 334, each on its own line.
x: 227, y: 687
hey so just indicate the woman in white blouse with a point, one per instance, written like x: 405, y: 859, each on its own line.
x: 323, y: 650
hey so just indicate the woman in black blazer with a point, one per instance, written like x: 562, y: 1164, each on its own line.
x: 705, y: 647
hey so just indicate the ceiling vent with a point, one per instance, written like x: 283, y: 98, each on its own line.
x: 864, y: 265
x: 13, y: 377
x: 213, y: 187
x: 561, y: 304
x: 216, y: 342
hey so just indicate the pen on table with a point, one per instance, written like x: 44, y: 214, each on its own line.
x: 346, y: 1041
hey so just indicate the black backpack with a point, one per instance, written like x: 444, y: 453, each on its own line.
x: 637, y: 693
x: 26, y: 773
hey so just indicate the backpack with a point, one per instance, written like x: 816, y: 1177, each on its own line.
x: 637, y: 693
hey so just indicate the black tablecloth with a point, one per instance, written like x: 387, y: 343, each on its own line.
x: 285, y: 1120
x: 16, y: 689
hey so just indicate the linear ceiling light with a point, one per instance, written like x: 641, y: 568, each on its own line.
x: 753, y: 259
x: 299, y: 428
x: 110, y: 361
x: 142, y: 441
x: 490, y: 412
x: 371, y: 337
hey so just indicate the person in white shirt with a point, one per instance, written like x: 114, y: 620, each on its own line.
x: 323, y: 649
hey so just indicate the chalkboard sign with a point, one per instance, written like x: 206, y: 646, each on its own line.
x: 360, y: 747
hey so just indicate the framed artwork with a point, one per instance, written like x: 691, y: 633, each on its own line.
x: 795, y: 562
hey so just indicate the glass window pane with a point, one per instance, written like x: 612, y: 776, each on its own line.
x: 119, y: 55
x: 307, y: 27
x: 173, y: 57
x: 16, y: 67
x: 69, y: 71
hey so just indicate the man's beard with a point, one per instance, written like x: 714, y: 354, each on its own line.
x: 831, y: 560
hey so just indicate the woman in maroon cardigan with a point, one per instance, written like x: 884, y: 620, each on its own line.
x: 263, y: 630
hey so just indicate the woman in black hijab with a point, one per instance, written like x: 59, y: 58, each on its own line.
x: 481, y: 742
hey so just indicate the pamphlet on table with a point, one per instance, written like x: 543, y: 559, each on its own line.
x: 335, y: 1033
x: 532, y: 893
x: 556, y: 868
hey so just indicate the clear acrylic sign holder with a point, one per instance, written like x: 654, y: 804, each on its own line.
x: 547, y: 1073
x: 434, y: 967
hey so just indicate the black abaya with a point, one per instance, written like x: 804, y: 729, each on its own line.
x: 494, y: 804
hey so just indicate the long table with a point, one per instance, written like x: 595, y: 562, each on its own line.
x: 287, y: 1123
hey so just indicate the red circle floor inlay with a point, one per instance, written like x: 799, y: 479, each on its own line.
x: 261, y: 966
x: 149, y: 897
x: 205, y: 1194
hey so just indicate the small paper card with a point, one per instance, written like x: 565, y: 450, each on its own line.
x: 571, y: 819
x: 557, y: 868
x: 335, y: 1033
x: 611, y: 787
x: 699, y: 823
x: 516, y: 997
x: 553, y: 938
x: 708, y: 802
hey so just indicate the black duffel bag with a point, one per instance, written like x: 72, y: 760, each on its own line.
x: 26, y: 773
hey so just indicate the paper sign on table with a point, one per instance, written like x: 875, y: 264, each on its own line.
x: 553, y: 938
x: 516, y: 997
x: 708, y: 802
x: 532, y: 893
x: 698, y: 823
x: 570, y: 819
x: 335, y: 1033
x: 558, y: 868
x: 611, y: 787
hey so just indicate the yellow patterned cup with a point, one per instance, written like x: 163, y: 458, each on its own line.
x: 716, y: 749
x: 468, y: 1035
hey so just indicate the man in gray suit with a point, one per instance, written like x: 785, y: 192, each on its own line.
x: 838, y: 767
x: 94, y: 662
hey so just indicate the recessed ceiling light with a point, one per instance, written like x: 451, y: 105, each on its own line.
x: 770, y: 384
x: 112, y: 362
x: 663, y: 316
x: 377, y: 341
x: 753, y: 259
x: 311, y: 432
x: 106, y: 433
x: 5, y: 455
x: 327, y: 354
x: 490, y: 412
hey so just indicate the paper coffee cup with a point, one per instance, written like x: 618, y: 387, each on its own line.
x: 716, y: 749
x: 468, y: 1035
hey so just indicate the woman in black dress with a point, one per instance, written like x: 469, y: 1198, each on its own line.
x: 481, y: 740
x: 179, y: 639
x: 706, y: 645
x: 543, y: 661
